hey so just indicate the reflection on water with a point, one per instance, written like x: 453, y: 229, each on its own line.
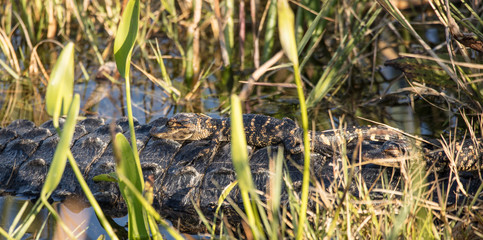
x: 76, y: 215
x: 108, y: 100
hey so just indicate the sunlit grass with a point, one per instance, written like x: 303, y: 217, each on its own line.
x: 345, y: 36
x: 286, y: 26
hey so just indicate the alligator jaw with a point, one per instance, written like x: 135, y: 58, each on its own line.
x: 171, y: 133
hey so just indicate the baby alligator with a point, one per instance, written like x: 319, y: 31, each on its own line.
x: 262, y: 131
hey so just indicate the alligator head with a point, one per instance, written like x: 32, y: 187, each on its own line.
x: 185, y: 126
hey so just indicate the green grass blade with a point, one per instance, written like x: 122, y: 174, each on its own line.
x: 311, y: 31
x: 59, y: 161
x: 18, y: 217
x: 148, y: 208
x: 60, y: 156
x: 61, y: 84
x: 4, y: 234
x: 275, y: 193
x: 125, y: 164
x: 153, y: 227
x: 229, y: 27
x: 270, y: 28
x: 242, y: 167
x: 337, y: 67
x: 286, y: 30
x: 28, y: 220
x: 166, y: 83
x: 224, y: 194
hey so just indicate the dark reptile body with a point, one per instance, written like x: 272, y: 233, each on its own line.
x: 182, y: 171
x: 262, y: 131
x: 393, y: 152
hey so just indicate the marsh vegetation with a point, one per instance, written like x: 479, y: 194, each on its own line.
x: 331, y: 64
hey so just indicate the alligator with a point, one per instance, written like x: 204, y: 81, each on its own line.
x: 263, y: 131
x: 189, y: 166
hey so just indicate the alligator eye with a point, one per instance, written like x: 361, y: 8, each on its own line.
x: 170, y: 123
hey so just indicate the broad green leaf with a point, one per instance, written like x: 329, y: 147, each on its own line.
x: 61, y: 84
x: 123, y: 45
x: 126, y: 36
x: 60, y: 156
x: 126, y: 166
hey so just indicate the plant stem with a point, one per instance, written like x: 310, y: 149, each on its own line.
x: 131, y: 126
x: 306, y: 177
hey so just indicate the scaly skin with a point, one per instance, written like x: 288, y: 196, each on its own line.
x: 466, y: 156
x: 262, y: 131
x: 196, y: 171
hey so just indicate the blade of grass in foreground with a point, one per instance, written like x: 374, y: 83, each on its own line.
x: 224, y: 194
x: 61, y: 85
x: 5, y: 234
x: 59, y: 161
x: 59, y: 95
x: 130, y: 187
x: 125, y: 164
x: 276, y: 183
x: 287, y: 39
x: 127, y: 159
x: 242, y: 167
x: 126, y: 37
x: 60, y: 90
x: 123, y: 46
